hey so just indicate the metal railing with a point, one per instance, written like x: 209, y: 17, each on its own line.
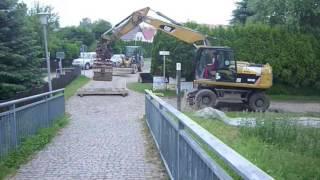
x: 24, y: 117
x: 183, y: 146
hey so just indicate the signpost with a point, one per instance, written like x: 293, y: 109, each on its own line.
x: 60, y: 56
x: 164, y: 54
x: 178, y: 68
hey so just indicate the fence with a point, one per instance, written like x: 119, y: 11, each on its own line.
x: 57, y: 83
x: 182, y: 144
x: 19, y: 122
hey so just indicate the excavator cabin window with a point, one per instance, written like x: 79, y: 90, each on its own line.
x: 215, y: 64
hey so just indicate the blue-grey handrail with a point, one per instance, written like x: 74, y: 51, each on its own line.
x: 234, y: 160
x: 30, y: 98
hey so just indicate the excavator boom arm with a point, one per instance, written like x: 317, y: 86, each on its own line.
x: 173, y: 28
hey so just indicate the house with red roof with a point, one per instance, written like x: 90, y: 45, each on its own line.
x: 140, y: 33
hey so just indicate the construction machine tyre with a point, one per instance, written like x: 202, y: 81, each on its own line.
x: 134, y: 69
x: 258, y: 101
x: 205, y: 98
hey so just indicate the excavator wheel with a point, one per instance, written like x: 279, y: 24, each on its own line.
x: 258, y: 101
x: 205, y: 98
x: 134, y: 69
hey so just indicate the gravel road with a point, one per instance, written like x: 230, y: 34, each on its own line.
x: 105, y: 139
x: 275, y: 106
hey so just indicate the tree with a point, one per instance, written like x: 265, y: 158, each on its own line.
x: 241, y: 13
x: 19, y: 62
x: 296, y: 15
x: 77, y: 35
x: 53, y: 25
x: 86, y: 23
x: 99, y: 27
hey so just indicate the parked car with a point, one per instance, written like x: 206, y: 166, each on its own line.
x: 86, y: 60
x: 117, y: 59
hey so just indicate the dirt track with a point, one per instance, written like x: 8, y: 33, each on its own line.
x: 275, y: 106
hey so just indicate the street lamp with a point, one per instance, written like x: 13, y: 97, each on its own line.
x: 44, y: 21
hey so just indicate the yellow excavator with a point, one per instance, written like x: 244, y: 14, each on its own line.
x: 218, y: 76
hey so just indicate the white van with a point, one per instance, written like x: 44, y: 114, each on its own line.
x: 86, y: 60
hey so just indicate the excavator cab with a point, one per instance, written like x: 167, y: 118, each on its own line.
x: 215, y: 63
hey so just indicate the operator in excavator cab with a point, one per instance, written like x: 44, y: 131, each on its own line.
x: 211, y: 68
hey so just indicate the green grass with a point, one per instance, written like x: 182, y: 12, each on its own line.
x: 281, y: 150
x: 270, y: 115
x: 140, y: 87
x: 29, y: 147
x: 72, y: 88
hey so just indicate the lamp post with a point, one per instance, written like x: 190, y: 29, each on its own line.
x: 44, y: 22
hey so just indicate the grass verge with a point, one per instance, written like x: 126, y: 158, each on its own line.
x: 283, y: 151
x: 140, y: 87
x: 72, y: 88
x: 270, y: 115
x: 29, y: 147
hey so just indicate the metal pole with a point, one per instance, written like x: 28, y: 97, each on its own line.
x: 47, y: 56
x: 84, y: 66
x: 164, y: 68
x: 14, y: 127
x: 60, y: 66
x: 178, y: 67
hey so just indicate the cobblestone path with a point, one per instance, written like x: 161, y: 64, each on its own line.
x: 104, y: 140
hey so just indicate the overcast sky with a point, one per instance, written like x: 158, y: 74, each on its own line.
x: 216, y: 12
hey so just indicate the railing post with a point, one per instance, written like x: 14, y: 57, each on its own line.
x: 14, y: 138
x: 160, y: 126
x: 48, y: 110
x: 180, y: 128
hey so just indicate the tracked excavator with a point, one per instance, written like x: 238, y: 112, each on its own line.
x: 218, y: 76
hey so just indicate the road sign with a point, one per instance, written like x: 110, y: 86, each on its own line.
x: 164, y: 53
x: 60, y: 55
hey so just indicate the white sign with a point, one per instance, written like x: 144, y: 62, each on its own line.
x: 164, y: 53
x: 186, y: 86
x: 159, y: 83
x: 60, y: 55
x: 178, y: 66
